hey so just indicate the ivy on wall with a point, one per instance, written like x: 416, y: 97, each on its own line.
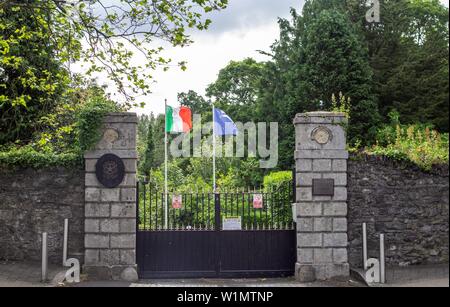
x: 52, y: 149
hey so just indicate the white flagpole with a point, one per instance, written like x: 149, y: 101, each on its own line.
x: 166, y: 189
x: 214, y: 149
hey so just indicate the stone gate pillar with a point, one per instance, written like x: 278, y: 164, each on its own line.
x: 110, y: 201
x: 321, y: 208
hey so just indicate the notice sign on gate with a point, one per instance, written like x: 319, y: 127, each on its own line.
x: 177, y: 202
x: 232, y: 223
x: 257, y: 201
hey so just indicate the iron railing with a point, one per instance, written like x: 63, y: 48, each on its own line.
x: 204, y: 211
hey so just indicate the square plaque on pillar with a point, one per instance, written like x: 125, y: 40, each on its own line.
x: 323, y: 187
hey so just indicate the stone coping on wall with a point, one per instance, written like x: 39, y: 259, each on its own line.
x: 116, y: 118
x: 320, y: 118
x: 437, y: 169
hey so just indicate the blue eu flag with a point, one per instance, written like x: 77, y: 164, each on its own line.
x: 223, y: 124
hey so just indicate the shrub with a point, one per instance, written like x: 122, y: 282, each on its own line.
x: 415, y: 143
x: 70, y: 130
x: 276, y: 180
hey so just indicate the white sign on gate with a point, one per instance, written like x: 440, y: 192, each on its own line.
x: 232, y: 223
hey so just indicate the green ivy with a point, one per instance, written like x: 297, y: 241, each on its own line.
x: 89, y: 121
x: 52, y: 148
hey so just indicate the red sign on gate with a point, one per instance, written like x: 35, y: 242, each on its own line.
x: 257, y: 201
x: 177, y: 202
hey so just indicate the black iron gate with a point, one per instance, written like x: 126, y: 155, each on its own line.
x: 226, y: 234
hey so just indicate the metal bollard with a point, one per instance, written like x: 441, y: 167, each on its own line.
x: 382, y: 261
x: 44, y: 275
x: 66, y: 235
x: 364, y: 230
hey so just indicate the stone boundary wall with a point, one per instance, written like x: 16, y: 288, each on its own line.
x: 35, y: 201
x: 408, y: 205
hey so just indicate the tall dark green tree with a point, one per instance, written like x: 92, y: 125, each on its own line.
x: 319, y: 53
x: 149, y: 155
x: 337, y: 61
x: 409, y: 57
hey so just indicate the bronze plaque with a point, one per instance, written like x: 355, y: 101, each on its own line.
x: 110, y: 170
x: 323, y: 187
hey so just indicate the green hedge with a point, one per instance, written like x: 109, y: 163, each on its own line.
x: 275, y: 180
x: 28, y: 157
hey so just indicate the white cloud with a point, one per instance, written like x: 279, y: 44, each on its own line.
x: 206, y: 57
x: 237, y: 33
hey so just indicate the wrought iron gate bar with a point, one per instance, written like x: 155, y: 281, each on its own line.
x: 199, y: 211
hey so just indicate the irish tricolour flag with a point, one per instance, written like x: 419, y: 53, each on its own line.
x: 178, y: 120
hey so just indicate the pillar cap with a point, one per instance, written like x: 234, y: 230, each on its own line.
x: 320, y: 117
x: 121, y: 117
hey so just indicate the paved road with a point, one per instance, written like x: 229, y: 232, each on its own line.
x: 236, y: 283
x: 18, y: 274
x: 426, y: 283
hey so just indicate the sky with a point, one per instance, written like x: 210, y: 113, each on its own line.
x: 238, y: 32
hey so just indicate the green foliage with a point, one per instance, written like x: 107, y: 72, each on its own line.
x: 144, y: 122
x: 149, y: 154
x: 409, y: 57
x: 195, y: 102
x: 236, y: 89
x: 89, y: 121
x: 40, y: 38
x: 28, y: 156
x: 195, y: 174
x: 336, y: 60
x: 275, y: 180
x: 150, y: 141
x: 113, y: 35
x: 32, y: 75
x: 196, y: 177
x: 417, y: 144
x: 68, y: 132
x: 341, y: 104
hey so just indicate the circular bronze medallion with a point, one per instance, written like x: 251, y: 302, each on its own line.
x: 322, y: 135
x: 110, y: 170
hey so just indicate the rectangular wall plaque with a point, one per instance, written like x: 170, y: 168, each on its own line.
x: 323, y: 187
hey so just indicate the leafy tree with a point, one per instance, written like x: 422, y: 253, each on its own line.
x: 236, y: 89
x: 41, y: 38
x: 197, y: 103
x: 114, y: 33
x: 408, y: 54
x: 336, y: 61
x: 150, y: 143
x: 32, y: 77
x: 149, y: 155
x: 144, y: 121
x: 318, y: 54
x: 409, y: 57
